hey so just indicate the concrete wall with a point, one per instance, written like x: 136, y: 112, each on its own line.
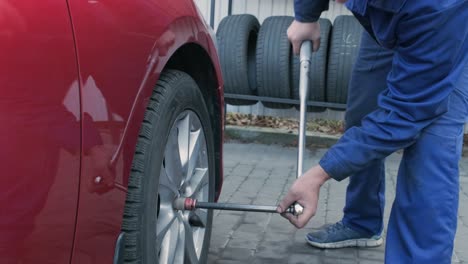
x: 263, y: 9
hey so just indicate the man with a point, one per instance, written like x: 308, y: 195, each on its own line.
x: 413, y: 65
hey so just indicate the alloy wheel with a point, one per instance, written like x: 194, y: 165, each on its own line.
x: 184, y: 172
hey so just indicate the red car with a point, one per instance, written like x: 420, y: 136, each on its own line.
x: 109, y: 110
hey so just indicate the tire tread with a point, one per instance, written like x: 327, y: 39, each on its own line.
x: 134, y: 204
x: 342, y: 55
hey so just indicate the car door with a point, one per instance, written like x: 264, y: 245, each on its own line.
x: 39, y: 132
x: 114, y: 40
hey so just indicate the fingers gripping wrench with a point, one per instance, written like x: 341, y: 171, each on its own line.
x: 295, y: 209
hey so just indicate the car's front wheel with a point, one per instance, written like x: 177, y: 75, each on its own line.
x: 174, y: 158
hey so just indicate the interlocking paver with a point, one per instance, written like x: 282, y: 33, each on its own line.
x: 262, y: 174
x: 372, y: 253
x: 276, y: 250
x: 235, y: 253
x: 302, y: 259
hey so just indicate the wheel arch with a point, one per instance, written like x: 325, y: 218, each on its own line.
x: 194, y: 60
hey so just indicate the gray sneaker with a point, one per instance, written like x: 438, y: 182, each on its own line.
x: 340, y: 236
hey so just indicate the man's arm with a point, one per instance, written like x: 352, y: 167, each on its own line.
x: 307, y: 11
x: 428, y: 58
x: 305, y: 26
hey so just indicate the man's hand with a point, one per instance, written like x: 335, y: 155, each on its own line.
x: 305, y: 191
x: 299, y: 32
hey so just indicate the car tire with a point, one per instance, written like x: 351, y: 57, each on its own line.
x: 318, y: 69
x: 273, y: 60
x: 176, y: 128
x: 237, y: 38
x: 344, y: 48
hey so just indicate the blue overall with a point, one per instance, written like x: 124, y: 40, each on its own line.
x: 409, y: 90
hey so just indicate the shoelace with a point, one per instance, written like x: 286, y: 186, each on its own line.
x: 336, y: 227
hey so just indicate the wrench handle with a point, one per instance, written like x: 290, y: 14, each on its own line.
x: 305, y: 58
x: 190, y: 204
x: 306, y: 53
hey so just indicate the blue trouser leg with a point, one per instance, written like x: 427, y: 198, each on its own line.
x: 423, y: 220
x: 365, y: 199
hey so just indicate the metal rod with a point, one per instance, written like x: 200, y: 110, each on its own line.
x: 191, y: 204
x: 237, y: 207
x: 306, y: 52
x: 212, y: 13
x: 283, y: 100
x: 230, y: 8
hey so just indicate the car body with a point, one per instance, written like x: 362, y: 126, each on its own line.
x: 76, y: 74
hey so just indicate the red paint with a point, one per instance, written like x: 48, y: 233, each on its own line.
x: 50, y: 211
x: 39, y: 132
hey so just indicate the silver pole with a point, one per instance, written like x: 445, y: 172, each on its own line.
x: 306, y: 53
x: 237, y: 207
x: 293, y: 209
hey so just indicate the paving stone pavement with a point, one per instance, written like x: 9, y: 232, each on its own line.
x: 261, y: 174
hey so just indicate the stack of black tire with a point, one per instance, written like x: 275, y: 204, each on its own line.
x: 258, y: 60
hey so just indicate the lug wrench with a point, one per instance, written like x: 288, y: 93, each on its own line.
x: 295, y: 209
x: 190, y: 204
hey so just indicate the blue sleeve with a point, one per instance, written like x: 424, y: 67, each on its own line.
x: 309, y: 10
x: 429, y: 57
